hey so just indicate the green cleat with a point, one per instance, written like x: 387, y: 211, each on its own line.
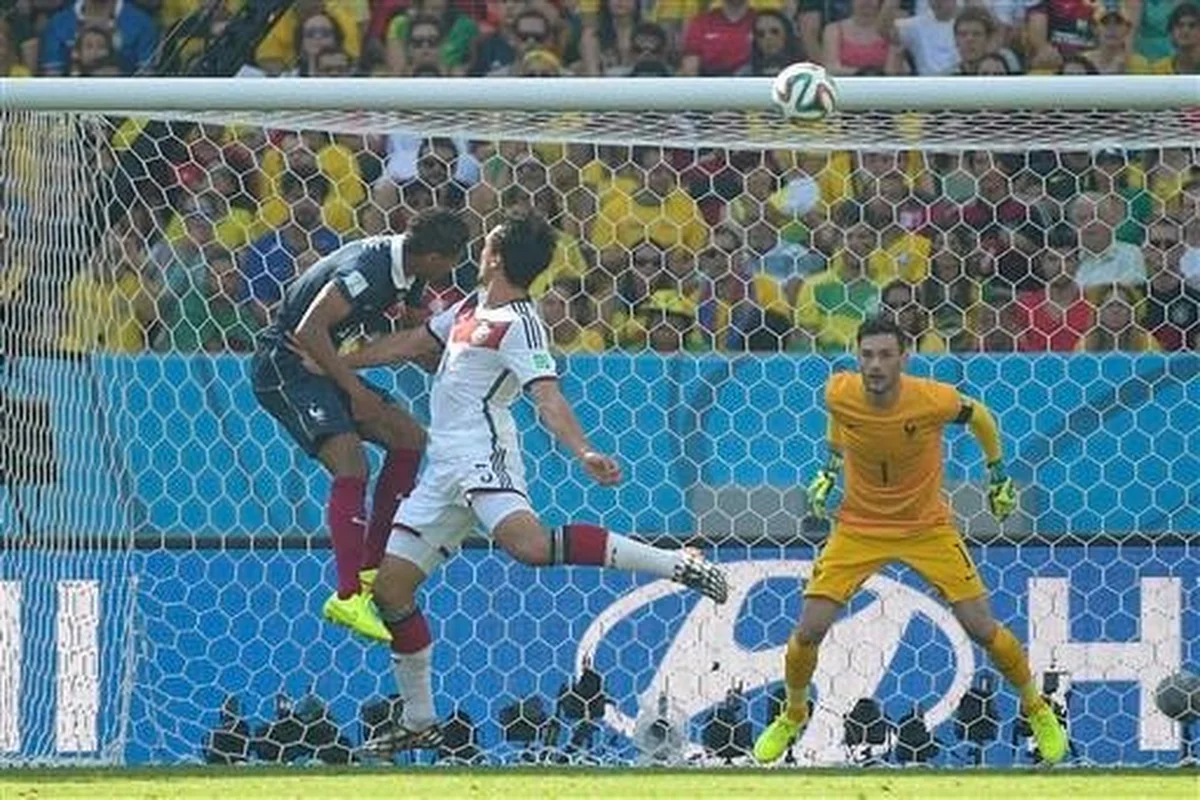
x: 1048, y: 732
x: 366, y: 579
x: 777, y: 738
x: 357, y: 613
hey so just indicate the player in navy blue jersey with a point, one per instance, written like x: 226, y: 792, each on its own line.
x: 345, y: 294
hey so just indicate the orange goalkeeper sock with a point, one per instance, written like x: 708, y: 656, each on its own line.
x: 1009, y: 657
x: 799, y: 664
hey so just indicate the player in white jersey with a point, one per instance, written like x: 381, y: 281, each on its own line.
x: 493, y: 345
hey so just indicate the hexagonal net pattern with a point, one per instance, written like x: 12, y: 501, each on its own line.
x: 164, y: 552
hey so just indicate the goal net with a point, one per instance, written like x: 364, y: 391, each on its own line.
x: 163, y: 552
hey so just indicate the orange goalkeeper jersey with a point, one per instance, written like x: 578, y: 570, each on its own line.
x: 893, y: 457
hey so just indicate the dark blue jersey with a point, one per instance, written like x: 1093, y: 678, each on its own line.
x: 371, y: 277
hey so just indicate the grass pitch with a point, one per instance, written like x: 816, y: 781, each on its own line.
x: 541, y: 784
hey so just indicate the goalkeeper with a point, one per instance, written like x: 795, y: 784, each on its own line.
x: 885, y: 432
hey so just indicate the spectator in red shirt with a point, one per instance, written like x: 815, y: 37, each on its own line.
x: 856, y: 43
x: 718, y: 42
x: 1058, y: 28
x: 1057, y: 316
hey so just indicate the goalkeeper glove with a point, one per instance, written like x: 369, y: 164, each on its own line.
x: 818, y: 491
x: 1002, y: 494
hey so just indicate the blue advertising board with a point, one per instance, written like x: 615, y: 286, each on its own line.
x: 207, y: 625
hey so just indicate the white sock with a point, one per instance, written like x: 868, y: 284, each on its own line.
x: 414, y: 679
x: 625, y: 553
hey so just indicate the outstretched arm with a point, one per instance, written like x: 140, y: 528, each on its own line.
x: 559, y: 419
x: 414, y: 344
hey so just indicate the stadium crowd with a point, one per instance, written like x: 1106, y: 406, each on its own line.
x: 695, y: 250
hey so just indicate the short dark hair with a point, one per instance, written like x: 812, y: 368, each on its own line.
x: 427, y: 21
x: 976, y: 14
x: 315, y: 187
x: 882, y: 325
x: 436, y: 230
x: 893, y: 286
x: 525, y: 241
x: 846, y: 214
x: 651, y: 29
x: 532, y: 13
x: 1062, y: 237
x: 215, y: 251
x: 1181, y: 12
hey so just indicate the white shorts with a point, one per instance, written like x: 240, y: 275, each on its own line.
x: 451, y: 497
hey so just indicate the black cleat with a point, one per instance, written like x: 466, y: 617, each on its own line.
x: 398, y: 738
x: 695, y: 572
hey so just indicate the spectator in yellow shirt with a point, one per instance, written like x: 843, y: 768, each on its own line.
x: 108, y: 307
x: 302, y: 32
x: 831, y: 304
x: 665, y: 322
x: 899, y: 209
x: 871, y: 236
x: 1184, y: 28
x: 236, y: 222
x: 1114, y: 35
x: 654, y: 209
x: 569, y: 312
x: 310, y: 154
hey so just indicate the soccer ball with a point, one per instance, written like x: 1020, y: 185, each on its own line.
x: 1178, y: 696
x: 804, y: 91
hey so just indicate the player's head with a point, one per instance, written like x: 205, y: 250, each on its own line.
x: 882, y: 354
x: 518, y: 249
x: 435, y: 242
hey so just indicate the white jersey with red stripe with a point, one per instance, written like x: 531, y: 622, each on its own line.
x: 490, y: 354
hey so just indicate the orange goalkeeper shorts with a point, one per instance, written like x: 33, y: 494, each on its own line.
x: 938, y: 554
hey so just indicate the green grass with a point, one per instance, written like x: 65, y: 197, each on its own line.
x: 543, y: 784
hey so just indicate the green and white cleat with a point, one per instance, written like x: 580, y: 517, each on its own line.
x: 357, y: 613
x: 1048, y: 732
x: 777, y: 738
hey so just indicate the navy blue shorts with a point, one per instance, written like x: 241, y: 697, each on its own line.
x: 311, y: 408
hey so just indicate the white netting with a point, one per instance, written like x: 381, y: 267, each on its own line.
x: 163, y: 581
x: 1011, y: 131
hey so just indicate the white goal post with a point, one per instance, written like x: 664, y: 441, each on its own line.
x: 966, y: 93
x: 162, y: 544
x: 993, y: 112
